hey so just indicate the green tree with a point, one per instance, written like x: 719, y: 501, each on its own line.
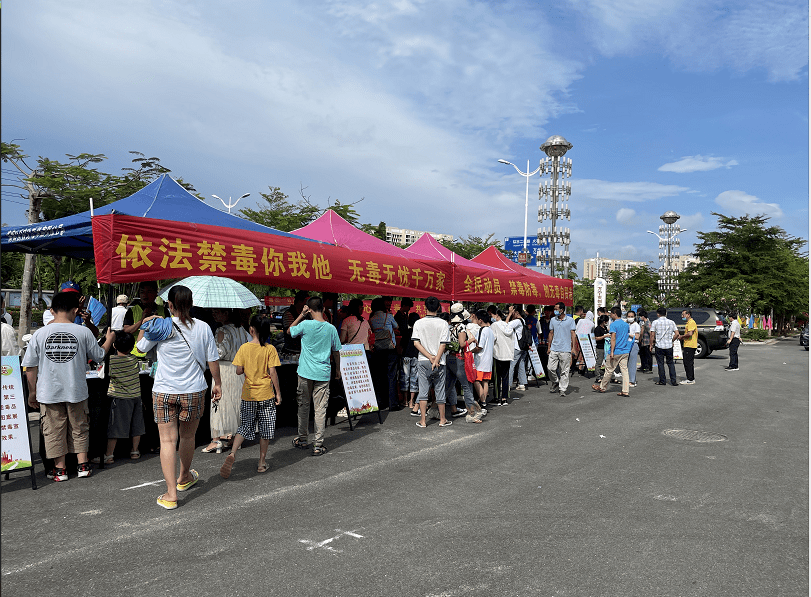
x: 55, y: 189
x: 472, y: 245
x: 583, y: 293
x: 744, y: 260
x: 641, y: 286
x: 280, y: 212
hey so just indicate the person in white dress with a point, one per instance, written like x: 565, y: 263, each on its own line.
x: 225, y: 415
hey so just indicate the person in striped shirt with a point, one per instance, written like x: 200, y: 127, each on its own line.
x: 126, y: 410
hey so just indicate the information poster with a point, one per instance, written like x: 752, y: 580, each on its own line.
x: 588, y: 348
x: 536, y: 361
x: 677, y: 353
x: 15, y: 446
x: 360, y: 393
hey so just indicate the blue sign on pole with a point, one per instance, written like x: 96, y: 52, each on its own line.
x: 516, y: 245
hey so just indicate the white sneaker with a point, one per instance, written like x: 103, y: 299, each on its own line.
x: 687, y: 382
x: 521, y: 388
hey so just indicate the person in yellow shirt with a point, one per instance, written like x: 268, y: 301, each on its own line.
x: 257, y: 360
x: 690, y: 338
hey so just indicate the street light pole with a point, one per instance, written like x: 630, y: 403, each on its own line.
x: 229, y: 205
x: 555, y: 148
x: 526, y: 175
x: 667, y: 240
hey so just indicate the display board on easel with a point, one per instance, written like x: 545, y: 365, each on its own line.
x: 357, y: 379
x: 535, y: 359
x: 588, y: 348
x: 15, y: 442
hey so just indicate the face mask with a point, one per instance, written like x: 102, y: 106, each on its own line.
x: 630, y: 320
x: 557, y: 312
x: 684, y: 319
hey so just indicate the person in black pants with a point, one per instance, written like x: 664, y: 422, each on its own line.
x: 734, y: 341
x: 663, y: 333
x: 645, y: 349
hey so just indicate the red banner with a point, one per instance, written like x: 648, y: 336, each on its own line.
x: 278, y: 301
x: 419, y: 307
x: 132, y: 249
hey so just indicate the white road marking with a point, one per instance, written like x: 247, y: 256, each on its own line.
x: 143, y: 485
x: 324, y: 544
x: 159, y: 524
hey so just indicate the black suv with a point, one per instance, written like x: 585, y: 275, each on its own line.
x: 712, y: 330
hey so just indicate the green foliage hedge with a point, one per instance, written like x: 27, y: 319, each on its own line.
x: 755, y: 334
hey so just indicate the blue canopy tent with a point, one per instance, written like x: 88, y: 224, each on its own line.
x: 163, y: 199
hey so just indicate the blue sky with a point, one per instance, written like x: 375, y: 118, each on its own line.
x: 694, y: 106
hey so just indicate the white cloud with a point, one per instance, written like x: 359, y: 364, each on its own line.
x: 739, y: 203
x: 401, y: 102
x: 692, y: 222
x: 625, y: 215
x: 623, y: 191
x: 697, y: 163
x: 705, y: 35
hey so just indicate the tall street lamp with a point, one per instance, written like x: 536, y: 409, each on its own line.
x: 229, y: 205
x: 668, y: 240
x: 556, y: 165
x: 526, y: 175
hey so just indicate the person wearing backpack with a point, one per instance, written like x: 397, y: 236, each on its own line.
x: 521, y: 340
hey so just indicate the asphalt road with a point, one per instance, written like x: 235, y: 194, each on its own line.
x: 577, y: 496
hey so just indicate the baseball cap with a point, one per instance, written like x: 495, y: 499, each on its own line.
x: 70, y: 286
x: 122, y: 298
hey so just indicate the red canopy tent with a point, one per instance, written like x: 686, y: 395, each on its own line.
x: 550, y: 289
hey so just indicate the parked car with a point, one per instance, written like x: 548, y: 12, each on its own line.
x: 712, y: 330
x: 804, y: 337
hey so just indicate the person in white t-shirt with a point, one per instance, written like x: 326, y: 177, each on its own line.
x: 55, y: 362
x: 431, y: 336
x: 503, y: 352
x: 119, y: 311
x: 481, y: 346
x: 515, y: 320
x: 180, y: 388
x: 734, y: 342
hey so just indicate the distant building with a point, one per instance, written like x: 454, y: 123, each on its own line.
x: 684, y: 261
x: 599, y: 267
x: 403, y: 237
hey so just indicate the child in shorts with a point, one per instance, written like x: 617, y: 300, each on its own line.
x: 126, y: 410
x: 257, y: 360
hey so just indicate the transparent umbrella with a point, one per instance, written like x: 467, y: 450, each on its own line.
x: 214, y: 292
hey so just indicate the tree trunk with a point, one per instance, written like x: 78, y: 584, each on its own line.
x: 57, y: 259
x: 34, y: 206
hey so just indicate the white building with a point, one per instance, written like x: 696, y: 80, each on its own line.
x: 599, y: 267
x: 404, y: 237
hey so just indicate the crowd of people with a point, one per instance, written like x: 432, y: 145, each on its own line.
x: 166, y: 358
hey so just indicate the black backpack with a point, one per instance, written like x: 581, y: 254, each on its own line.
x: 525, y: 341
